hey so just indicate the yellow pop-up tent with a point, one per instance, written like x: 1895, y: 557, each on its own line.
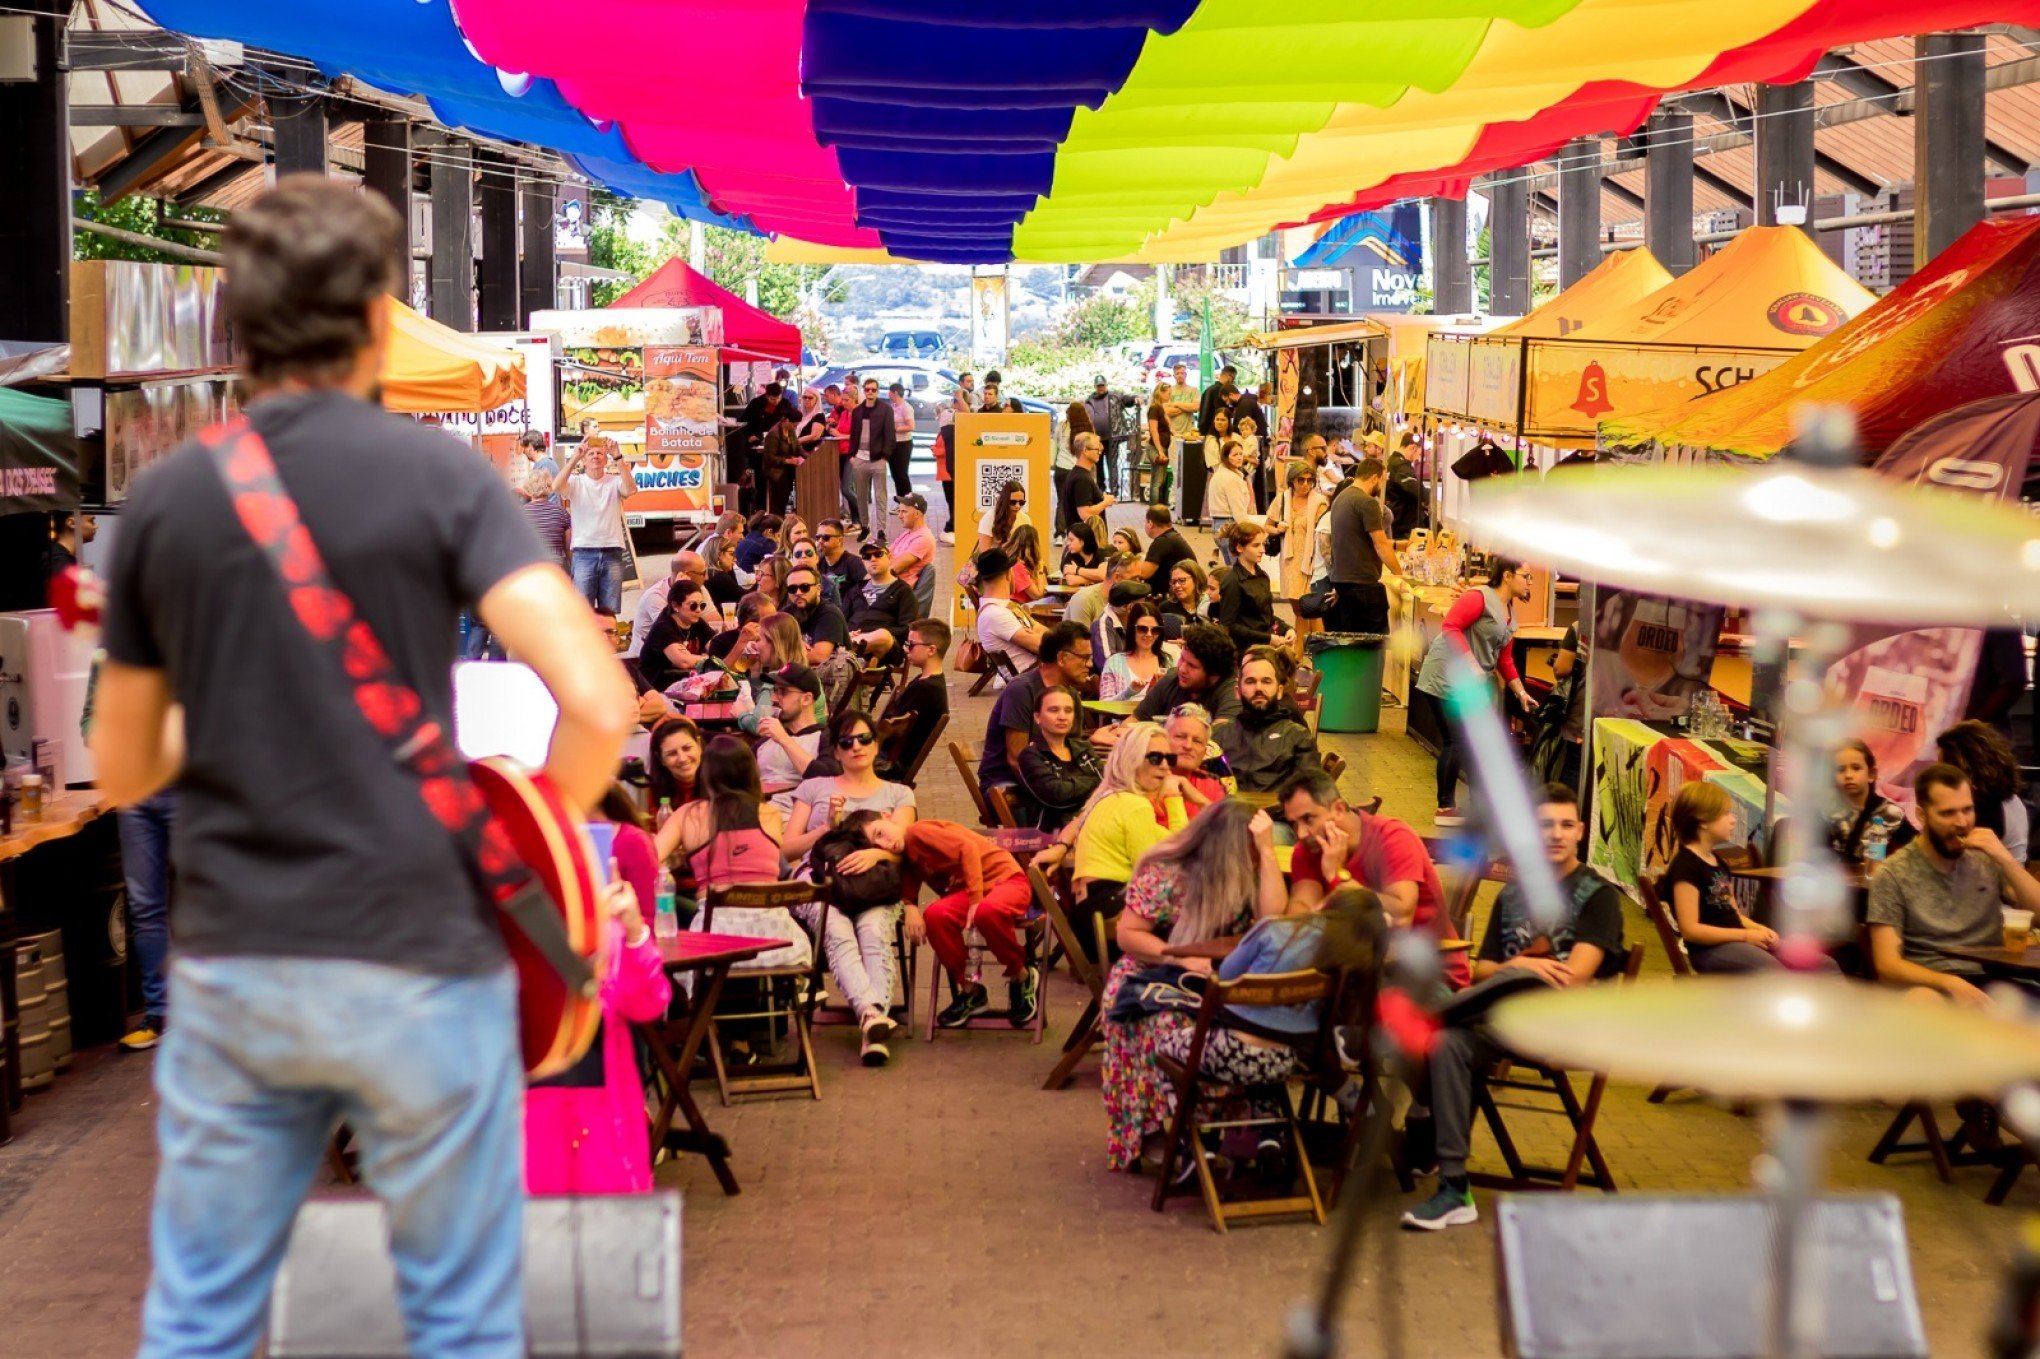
x: 1769, y: 294
x: 429, y: 367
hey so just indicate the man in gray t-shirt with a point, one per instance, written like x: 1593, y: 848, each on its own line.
x: 1944, y: 890
x: 1361, y: 551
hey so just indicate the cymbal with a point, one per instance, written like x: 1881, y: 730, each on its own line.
x: 1839, y: 543
x: 1774, y: 1036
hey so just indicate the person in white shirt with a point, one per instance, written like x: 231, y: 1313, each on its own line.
x: 1004, y: 627
x: 903, y: 439
x: 594, y: 501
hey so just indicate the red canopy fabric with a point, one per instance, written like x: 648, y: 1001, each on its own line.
x: 676, y: 284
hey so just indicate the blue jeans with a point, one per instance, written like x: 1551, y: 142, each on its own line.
x: 598, y: 575
x: 145, y: 862
x: 267, y: 1056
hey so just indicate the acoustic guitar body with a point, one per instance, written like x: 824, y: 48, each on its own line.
x: 556, y: 1024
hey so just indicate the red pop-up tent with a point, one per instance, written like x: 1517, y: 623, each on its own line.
x: 748, y: 333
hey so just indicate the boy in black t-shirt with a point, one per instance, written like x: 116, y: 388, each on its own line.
x: 1585, y: 944
x: 925, y: 698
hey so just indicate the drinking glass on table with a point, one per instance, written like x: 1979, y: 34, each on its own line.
x: 2018, y: 928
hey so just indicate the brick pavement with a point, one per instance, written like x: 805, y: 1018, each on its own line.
x: 948, y: 1205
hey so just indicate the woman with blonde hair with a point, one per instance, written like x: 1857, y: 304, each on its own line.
x: 1138, y: 801
x: 1214, y: 877
x: 780, y: 644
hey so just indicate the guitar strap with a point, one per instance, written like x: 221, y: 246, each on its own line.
x: 417, y: 741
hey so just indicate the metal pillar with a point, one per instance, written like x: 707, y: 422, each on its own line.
x: 1668, y: 189
x: 298, y: 134
x: 1451, y: 266
x: 453, y: 242
x: 1784, y: 151
x: 386, y: 170
x: 498, y: 189
x: 1948, y: 145
x: 1579, y: 210
x: 538, y: 281
x: 35, y: 165
x: 1508, y: 198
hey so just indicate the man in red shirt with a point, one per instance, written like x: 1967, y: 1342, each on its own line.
x: 978, y: 886
x: 1378, y: 852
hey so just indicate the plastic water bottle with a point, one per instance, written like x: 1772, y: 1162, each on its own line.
x: 666, y: 920
x: 665, y: 810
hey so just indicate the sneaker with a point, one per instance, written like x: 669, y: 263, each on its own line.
x: 1350, y: 1042
x: 1023, y: 999
x: 1451, y: 1206
x: 967, y: 1003
x: 142, y: 1039
x: 947, y: 537
x: 878, y: 1027
x: 1447, y: 817
x: 872, y: 1052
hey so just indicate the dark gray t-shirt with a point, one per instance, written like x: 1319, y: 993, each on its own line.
x: 1930, y: 909
x: 297, y: 834
x: 1355, y: 518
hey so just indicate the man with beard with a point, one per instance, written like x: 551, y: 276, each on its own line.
x: 1945, y: 890
x: 1267, y: 744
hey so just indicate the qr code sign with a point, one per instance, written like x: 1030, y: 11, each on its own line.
x: 993, y: 476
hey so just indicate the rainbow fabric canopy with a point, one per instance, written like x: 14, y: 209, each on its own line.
x: 1055, y: 130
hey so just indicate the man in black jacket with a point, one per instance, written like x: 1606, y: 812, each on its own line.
x: 1203, y: 675
x: 1408, y: 498
x: 1219, y: 396
x: 883, y: 608
x: 872, y: 435
x: 1267, y: 742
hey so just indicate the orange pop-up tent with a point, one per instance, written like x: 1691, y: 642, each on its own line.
x: 429, y: 367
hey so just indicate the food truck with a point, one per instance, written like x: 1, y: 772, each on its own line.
x: 647, y: 376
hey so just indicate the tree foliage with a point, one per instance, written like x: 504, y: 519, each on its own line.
x: 142, y: 215
x: 1096, y: 322
x: 610, y: 246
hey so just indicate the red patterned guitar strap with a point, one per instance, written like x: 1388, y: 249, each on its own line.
x: 417, y: 741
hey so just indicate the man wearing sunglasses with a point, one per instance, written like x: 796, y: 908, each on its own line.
x: 676, y: 645
x: 837, y: 562
x: 872, y: 436
x: 883, y: 606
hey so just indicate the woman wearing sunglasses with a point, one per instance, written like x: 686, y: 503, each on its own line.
x: 1129, y: 674
x: 860, y: 947
x: 996, y: 525
x: 1137, y: 803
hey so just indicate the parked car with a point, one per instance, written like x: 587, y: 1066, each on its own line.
x: 909, y: 344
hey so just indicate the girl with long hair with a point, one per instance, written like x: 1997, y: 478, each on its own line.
x: 1129, y: 674
x: 729, y: 835
x: 998, y: 523
x: 1214, y: 877
x: 1127, y: 540
x: 1030, y: 580
x: 1083, y: 561
x: 1870, y: 825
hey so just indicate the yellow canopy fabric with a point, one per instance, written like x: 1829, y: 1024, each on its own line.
x: 1623, y: 278
x: 1299, y: 337
x: 1769, y: 288
x: 429, y: 367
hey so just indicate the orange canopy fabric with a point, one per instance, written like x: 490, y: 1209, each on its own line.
x: 1623, y: 278
x: 429, y: 367
x: 1951, y: 334
x: 1769, y: 288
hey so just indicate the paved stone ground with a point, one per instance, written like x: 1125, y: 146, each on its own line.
x: 948, y: 1205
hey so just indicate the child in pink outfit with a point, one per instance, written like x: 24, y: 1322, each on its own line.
x: 585, y: 1130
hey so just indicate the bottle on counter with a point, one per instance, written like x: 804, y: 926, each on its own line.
x: 666, y: 919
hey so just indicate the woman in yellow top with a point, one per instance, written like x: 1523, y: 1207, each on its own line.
x: 1138, y: 804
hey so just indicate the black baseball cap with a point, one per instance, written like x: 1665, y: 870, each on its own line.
x: 914, y: 500
x: 797, y: 677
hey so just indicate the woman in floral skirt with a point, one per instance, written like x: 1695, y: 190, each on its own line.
x: 1214, y: 877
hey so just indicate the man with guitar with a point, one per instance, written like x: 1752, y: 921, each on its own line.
x: 336, y: 956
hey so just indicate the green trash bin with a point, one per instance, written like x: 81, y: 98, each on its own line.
x: 1349, y: 695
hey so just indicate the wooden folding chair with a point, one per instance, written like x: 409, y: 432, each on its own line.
x: 868, y: 688
x: 910, y: 767
x: 1553, y: 1081
x: 1674, y: 945
x: 828, y: 1015
x: 1085, y: 1032
x: 966, y: 766
x: 804, y: 983
x: 1304, y: 689
x: 1216, y: 1014
x: 998, y: 666
x: 1001, y: 804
